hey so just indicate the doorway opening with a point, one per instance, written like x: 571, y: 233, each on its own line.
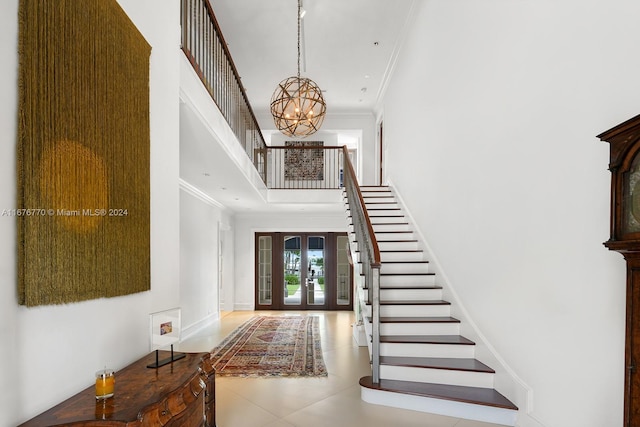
x: 303, y: 271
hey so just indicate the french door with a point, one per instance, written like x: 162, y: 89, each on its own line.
x: 303, y: 271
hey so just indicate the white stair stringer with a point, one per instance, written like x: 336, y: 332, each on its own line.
x: 425, y: 364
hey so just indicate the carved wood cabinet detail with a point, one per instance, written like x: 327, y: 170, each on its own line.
x: 624, y: 164
x: 181, y: 393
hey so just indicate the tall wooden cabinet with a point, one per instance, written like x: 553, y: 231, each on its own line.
x: 624, y: 164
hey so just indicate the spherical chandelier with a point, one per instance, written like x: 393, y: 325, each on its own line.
x: 297, y: 105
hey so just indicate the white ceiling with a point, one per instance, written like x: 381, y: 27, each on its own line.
x: 348, y: 47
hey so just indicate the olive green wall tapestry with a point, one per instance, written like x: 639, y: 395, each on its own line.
x: 83, y: 153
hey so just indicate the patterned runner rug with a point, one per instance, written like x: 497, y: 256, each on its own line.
x: 272, y: 346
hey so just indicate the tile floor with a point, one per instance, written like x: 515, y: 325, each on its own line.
x: 332, y: 401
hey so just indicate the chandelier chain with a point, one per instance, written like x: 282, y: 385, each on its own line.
x: 299, y: 10
x: 297, y: 104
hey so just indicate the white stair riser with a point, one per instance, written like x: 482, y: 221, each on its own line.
x: 382, y: 237
x: 401, y: 256
x: 427, y: 350
x: 437, y: 376
x: 393, y: 217
x: 397, y: 246
x: 375, y: 196
x: 367, y: 190
x: 404, y: 267
x: 410, y: 294
x: 408, y: 280
x: 372, y: 202
x: 390, y: 227
x: 443, y: 310
x: 412, y: 310
x: 380, y: 213
x: 383, y: 212
x: 449, y: 408
x: 420, y: 328
x: 402, y: 245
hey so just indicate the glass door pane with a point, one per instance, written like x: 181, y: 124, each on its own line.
x: 292, y: 274
x: 265, y: 257
x: 315, y: 282
x: 343, y: 268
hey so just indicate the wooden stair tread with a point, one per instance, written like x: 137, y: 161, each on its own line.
x: 472, y: 395
x: 446, y: 363
x: 415, y: 302
x: 411, y: 288
x: 406, y: 274
x: 415, y: 319
x: 384, y: 209
x: 426, y: 339
x: 406, y: 262
x: 407, y: 288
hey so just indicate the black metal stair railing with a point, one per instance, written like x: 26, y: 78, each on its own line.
x: 308, y: 167
x: 206, y: 49
x: 369, y: 257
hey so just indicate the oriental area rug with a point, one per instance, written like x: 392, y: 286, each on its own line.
x: 272, y: 346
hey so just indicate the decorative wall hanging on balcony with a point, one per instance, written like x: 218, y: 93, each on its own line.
x: 297, y: 105
x: 304, y: 164
x: 82, y: 153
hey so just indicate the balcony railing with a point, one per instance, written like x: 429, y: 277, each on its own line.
x: 305, y: 167
x: 206, y: 49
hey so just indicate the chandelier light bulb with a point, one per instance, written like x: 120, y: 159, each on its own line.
x: 292, y: 98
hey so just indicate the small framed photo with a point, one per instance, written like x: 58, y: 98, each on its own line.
x: 164, y: 328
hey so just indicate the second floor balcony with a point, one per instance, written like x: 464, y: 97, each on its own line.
x: 224, y: 153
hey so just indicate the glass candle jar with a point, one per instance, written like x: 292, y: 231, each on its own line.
x: 105, y: 383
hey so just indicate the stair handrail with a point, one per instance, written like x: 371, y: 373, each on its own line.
x: 369, y: 257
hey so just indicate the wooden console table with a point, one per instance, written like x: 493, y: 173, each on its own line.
x: 181, y: 393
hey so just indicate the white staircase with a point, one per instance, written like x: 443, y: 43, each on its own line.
x: 425, y: 364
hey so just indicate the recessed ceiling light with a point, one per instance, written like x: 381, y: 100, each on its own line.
x: 367, y: 76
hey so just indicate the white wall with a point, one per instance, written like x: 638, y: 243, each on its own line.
x: 50, y: 353
x: 246, y: 225
x: 199, y: 260
x: 10, y: 385
x: 497, y: 104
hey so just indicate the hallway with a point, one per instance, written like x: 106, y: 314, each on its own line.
x: 308, y: 402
